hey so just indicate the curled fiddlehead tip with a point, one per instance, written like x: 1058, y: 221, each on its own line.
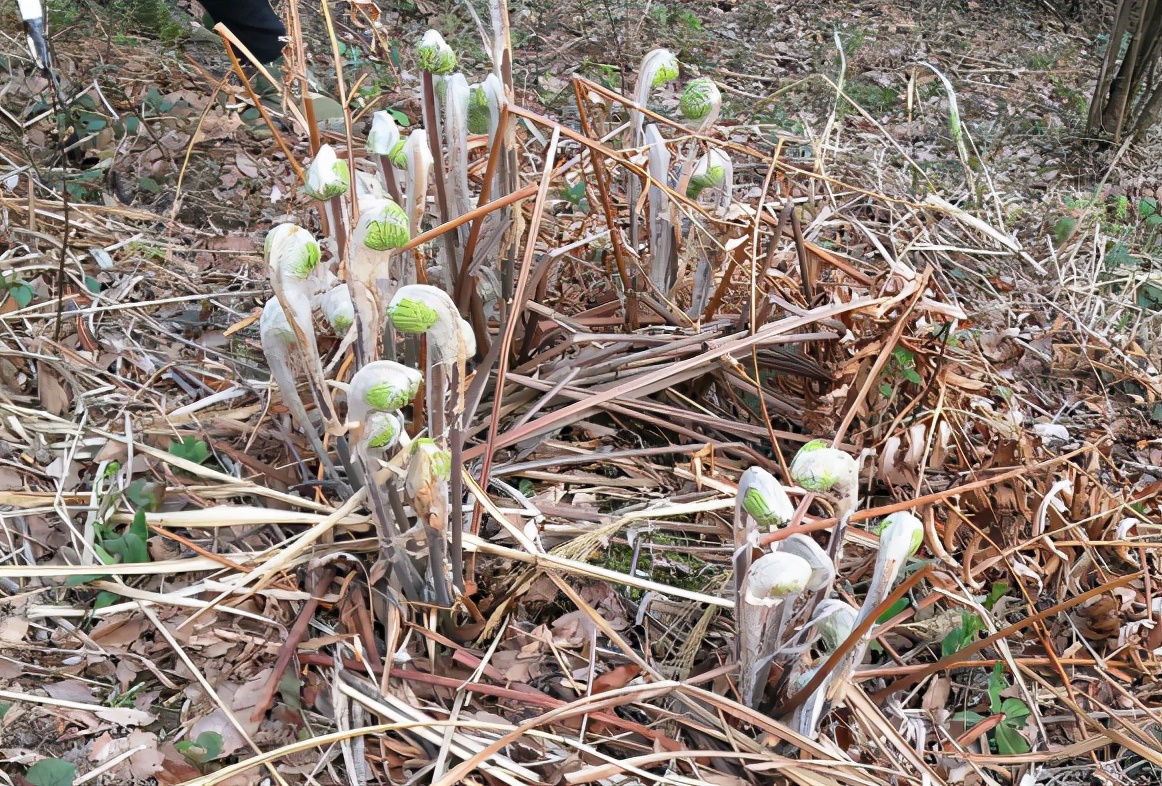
x: 819, y: 468
x: 479, y: 112
x: 763, y: 498
x: 437, y: 460
x: 711, y: 171
x: 435, y: 56
x: 659, y: 66
x: 412, y: 316
x: 381, y: 430
x: 775, y: 576
x: 383, y: 225
x: 699, y: 99
x: 337, y: 307
x: 835, y: 620
x: 384, y: 385
x: 291, y: 251
x: 901, y: 528
x: 384, y: 138
x: 327, y: 176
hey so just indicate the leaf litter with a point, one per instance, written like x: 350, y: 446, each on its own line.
x: 1004, y: 393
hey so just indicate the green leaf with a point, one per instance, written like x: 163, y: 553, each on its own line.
x: 146, y: 495
x: 22, y: 293
x: 997, y: 684
x: 132, y: 124
x: 128, y: 548
x: 288, y: 690
x: 996, y: 592
x: 190, y: 449
x: 51, y: 772
x: 886, y: 390
x: 146, y: 183
x: 893, y: 610
x: 105, y: 599
x: 4, y: 708
x: 138, y: 527
x: 913, y: 377
x: 400, y: 118
x: 967, y: 717
x: 1063, y: 229
x: 1009, y: 741
x: 1016, y: 712
x: 1147, y: 206
x: 962, y: 635
x: 205, y: 748
x: 92, y: 284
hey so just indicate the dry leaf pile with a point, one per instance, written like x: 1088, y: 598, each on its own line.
x: 972, y: 375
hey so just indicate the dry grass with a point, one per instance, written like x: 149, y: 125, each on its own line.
x: 999, y: 388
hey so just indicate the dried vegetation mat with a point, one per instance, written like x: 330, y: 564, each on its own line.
x: 662, y: 310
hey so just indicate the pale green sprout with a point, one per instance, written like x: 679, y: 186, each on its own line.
x: 435, y: 56
x: 701, y: 102
x: 384, y: 138
x: 478, y: 110
x: 772, y: 582
x: 663, y: 255
x: 658, y: 67
x: 419, y: 308
x: 387, y: 146
x: 328, y: 179
x: 292, y: 257
x: 714, y: 170
x: 327, y: 176
x: 295, y: 249
x: 280, y: 346
x: 419, y: 166
x: 380, y: 386
x: 456, y: 104
x: 822, y: 469
x: 382, y: 228
x: 426, y: 485
x: 382, y: 430
x: 834, y: 619
x: 338, y: 309
x: 761, y: 502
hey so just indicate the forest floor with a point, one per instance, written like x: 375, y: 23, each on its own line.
x: 982, y: 326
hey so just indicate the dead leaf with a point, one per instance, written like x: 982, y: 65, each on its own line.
x: 51, y: 393
x: 13, y: 630
x: 69, y: 690
x: 245, y: 164
x: 145, y: 761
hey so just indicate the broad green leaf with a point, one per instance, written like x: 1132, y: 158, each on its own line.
x: 146, y: 495
x: 400, y: 118
x: 4, y: 708
x: 92, y: 284
x: 288, y: 690
x: 190, y: 449
x: 996, y: 592
x: 1147, y: 206
x: 51, y: 772
x: 893, y: 610
x: 886, y: 390
x: 139, y: 527
x: 22, y: 293
x: 1016, y: 712
x: 913, y: 377
x: 205, y: 748
x: 1009, y: 740
x: 105, y: 599
x: 967, y: 717
x: 997, y: 684
x: 129, y: 548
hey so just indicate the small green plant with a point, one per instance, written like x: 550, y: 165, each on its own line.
x: 901, y: 368
x: 191, y: 449
x: 51, y: 772
x: 575, y: 195
x: 4, y: 708
x: 203, y: 750
x: 962, y: 635
x: 1005, y: 737
x: 17, y: 289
